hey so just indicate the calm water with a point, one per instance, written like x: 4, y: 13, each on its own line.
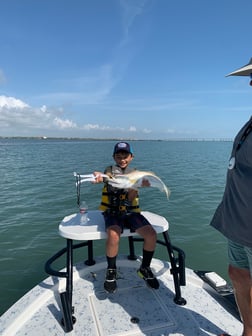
x: 38, y: 190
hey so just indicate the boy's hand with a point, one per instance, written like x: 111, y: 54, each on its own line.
x: 145, y: 183
x: 98, y: 177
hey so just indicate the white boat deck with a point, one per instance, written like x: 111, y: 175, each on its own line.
x: 134, y: 309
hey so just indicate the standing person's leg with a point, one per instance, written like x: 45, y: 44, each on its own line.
x: 240, y: 269
x: 242, y: 283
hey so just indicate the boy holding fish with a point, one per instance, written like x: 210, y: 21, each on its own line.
x: 121, y: 209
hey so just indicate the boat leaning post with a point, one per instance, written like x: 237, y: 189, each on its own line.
x: 71, y: 228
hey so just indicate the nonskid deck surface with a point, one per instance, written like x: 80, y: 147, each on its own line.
x: 134, y: 309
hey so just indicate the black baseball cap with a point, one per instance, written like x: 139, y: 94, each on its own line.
x: 122, y: 147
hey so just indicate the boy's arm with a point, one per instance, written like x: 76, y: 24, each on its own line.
x: 132, y: 194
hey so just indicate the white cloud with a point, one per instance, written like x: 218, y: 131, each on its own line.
x: 107, y: 128
x: 147, y: 131
x: 64, y: 124
x: 170, y: 131
x: 11, y: 103
x: 18, y: 118
x: 132, y: 129
x: 18, y: 114
x: 95, y: 127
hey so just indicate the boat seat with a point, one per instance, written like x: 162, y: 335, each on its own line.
x: 94, y: 228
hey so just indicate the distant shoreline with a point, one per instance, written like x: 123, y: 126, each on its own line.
x: 114, y: 139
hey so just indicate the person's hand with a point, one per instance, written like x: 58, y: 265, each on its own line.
x: 98, y: 177
x: 145, y: 183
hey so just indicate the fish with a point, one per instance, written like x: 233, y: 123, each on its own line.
x: 135, y: 180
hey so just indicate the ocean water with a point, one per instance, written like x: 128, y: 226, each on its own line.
x: 38, y: 190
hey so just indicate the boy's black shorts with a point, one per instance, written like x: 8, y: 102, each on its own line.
x: 132, y: 221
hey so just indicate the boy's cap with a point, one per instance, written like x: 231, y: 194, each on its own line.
x: 122, y: 147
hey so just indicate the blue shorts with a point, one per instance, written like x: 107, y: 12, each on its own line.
x: 132, y: 221
x: 239, y: 255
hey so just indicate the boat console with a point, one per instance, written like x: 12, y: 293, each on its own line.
x: 72, y: 229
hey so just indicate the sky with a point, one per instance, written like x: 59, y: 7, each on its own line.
x: 125, y: 69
